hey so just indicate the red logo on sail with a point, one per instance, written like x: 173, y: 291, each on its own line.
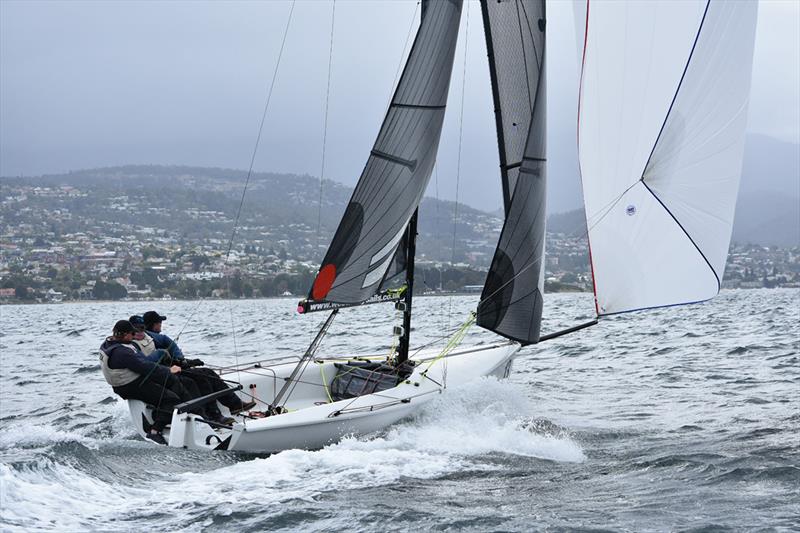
x: 324, y: 282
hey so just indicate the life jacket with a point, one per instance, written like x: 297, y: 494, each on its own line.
x: 116, y: 377
x: 147, y: 345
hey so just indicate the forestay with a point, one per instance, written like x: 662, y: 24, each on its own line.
x: 662, y: 112
x: 364, y: 249
x: 511, y: 303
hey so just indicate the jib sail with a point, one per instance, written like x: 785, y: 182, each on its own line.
x: 511, y: 302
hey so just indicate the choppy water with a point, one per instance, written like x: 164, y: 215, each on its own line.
x: 676, y: 419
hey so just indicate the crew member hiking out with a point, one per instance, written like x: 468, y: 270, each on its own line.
x: 206, y: 379
x: 133, y: 377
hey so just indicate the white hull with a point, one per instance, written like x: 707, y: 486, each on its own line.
x: 313, y: 421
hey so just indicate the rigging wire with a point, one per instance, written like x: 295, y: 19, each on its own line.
x: 188, y: 320
x: 458, y: 173
x: 458, y: 165
x: 438, y: 236
x: 250, y: 171
x: 260, y: 130
x: 301, y: 367
x: 325, y: 125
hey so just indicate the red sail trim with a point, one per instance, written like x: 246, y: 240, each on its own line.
x: 580, y: 170
x: 324, y: 282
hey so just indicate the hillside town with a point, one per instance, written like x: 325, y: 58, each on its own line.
x: 51, y: 251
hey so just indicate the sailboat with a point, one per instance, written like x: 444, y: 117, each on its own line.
x: 662, y: 110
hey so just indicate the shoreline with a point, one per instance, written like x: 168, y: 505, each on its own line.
x: 295, y: 298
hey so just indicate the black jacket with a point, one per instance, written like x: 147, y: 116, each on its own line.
x: 122, y: 355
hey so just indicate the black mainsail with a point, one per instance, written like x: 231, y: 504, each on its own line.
x: 511, y: 302
x: 365, y: 250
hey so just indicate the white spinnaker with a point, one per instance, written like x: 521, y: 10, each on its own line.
x: 663, y: 109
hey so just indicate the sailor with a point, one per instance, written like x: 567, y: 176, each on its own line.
x: 141, y: 340
x: 152, y: 324
x: 207, y: 380
x: 194, y: 381
x: 134, y: 377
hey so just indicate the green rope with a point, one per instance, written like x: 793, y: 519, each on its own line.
x: 398, y: 292
x: 454, y: 341
x: 157, y: 364
x: 324, y: 381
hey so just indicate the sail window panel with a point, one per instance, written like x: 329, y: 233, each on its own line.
x: 642, y: 259
x: 635, y: 55
x: 398, y: 168
x: 696, y: 164
x: 516, y: 39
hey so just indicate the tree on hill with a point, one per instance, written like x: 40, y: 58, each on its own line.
x: 109, y: 290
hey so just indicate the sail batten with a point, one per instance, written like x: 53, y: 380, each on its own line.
x: 365, y: 251
x: 511, y: 302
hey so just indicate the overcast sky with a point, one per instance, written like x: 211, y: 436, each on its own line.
x: 88, y: 84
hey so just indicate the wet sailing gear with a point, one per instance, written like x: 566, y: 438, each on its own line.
x: 122, y: 363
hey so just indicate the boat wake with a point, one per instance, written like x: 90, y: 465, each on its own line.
x: 464, y: 430
x: 484, y: 417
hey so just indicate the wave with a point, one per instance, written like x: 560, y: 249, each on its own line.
x: 456, y: 433
x: 483, y: 417
x: 666, y: 430
x: 87, y: 369
x: 37, y: 435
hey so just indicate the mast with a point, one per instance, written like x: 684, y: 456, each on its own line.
x: 402, y: 354
x: 498, y: 113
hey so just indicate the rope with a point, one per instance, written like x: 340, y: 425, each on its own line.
x: 325, y: 126
x: 438, y: 236
x: 158, y: 362
x: 458, y: 165
x: 300, y: 368
x: 455, y: 340
x: 323, y: 380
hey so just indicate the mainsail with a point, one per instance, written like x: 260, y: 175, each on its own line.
x: 511, y: 303
x: 365, y: 248
x: 662, y: 113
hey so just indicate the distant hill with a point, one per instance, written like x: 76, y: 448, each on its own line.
x: 570, y: 223
x: 768, y: 210
x: 282, y: 207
